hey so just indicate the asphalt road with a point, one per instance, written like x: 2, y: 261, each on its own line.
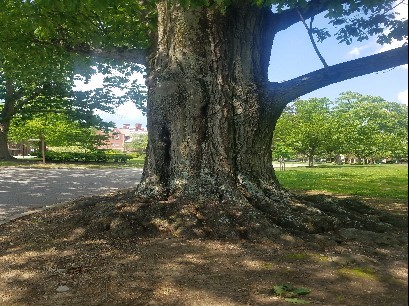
x: 23, y: 190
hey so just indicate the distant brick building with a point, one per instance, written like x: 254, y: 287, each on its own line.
x: 119, y: 137
x: 20, y: 149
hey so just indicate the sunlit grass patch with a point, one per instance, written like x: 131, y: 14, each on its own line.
x: 382, y: 181
x: 358, y: 272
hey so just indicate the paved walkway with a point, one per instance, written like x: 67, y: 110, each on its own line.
x: 23, y: 190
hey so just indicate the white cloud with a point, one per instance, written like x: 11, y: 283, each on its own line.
x: 403, y: 97
x: 96, y: 81
x: 356, y: 51
x: 126, y: 113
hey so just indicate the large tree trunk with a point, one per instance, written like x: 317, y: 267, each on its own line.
x: 4, y: 152
x: 210, y: 123
x: 207, y: 121
x: 6, y: 113
x: 310, y: 160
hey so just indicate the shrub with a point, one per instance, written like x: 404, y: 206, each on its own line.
x: 95, y: 156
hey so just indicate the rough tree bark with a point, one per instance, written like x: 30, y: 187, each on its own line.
x: 4, y: 152
x: 6, y: 114
x: 211, y: 117
x: 208, y: 122
x: 211, y: 121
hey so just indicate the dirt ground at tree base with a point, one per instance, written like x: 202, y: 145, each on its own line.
x: 52, y: 258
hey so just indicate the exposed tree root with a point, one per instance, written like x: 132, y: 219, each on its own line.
x: 232, y: 215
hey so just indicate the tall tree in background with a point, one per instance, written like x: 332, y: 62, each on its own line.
x: 372, y: 128
x: 57, y: 129
x: 211, y: 109
x: 359, y: 126
x: 48, y: 88
x: 307, y: 127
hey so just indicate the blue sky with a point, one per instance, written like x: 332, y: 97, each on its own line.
x: 292, y: 55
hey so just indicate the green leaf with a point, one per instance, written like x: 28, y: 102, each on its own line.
x: 280, y: 289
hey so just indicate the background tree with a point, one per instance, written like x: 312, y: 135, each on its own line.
x: 311, y: 127
x: 138, y: 143
x: 371, y: 127
x: 360, y: 126
x: 39, y: 61
x: 57, y: 129
x: 282, y: 141
x: 211, y: 109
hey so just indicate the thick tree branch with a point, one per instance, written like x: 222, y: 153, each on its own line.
x: 288, y: 91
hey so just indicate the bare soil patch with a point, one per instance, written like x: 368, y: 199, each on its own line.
x: 81, y: 254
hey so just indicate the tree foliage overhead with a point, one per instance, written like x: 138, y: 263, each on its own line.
x: 82, y: 25
x: 45, y: 47
x: 74, y: 24
x: 358, y: 20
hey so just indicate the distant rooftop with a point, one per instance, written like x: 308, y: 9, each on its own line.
x: 128, y: 129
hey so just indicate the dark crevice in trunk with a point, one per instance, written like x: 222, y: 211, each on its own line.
x: 166, y: 140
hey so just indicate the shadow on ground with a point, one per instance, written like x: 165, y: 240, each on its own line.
x: 58, y: 250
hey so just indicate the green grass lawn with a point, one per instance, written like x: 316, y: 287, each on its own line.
x: 378, y: 181
x: 36, y: 163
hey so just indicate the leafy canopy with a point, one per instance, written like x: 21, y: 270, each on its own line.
x: 57, y: 129
x: 354, y: 124
x: 305, y: 127
x: 358, y: 20
x: 41, y: 56
x: 76, y: 24
x: 43, y: 41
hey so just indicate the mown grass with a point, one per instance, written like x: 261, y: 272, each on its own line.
x: 375, y: 181
x: 36, y: 163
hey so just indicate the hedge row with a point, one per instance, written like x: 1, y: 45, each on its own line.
x: 96, y: 156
